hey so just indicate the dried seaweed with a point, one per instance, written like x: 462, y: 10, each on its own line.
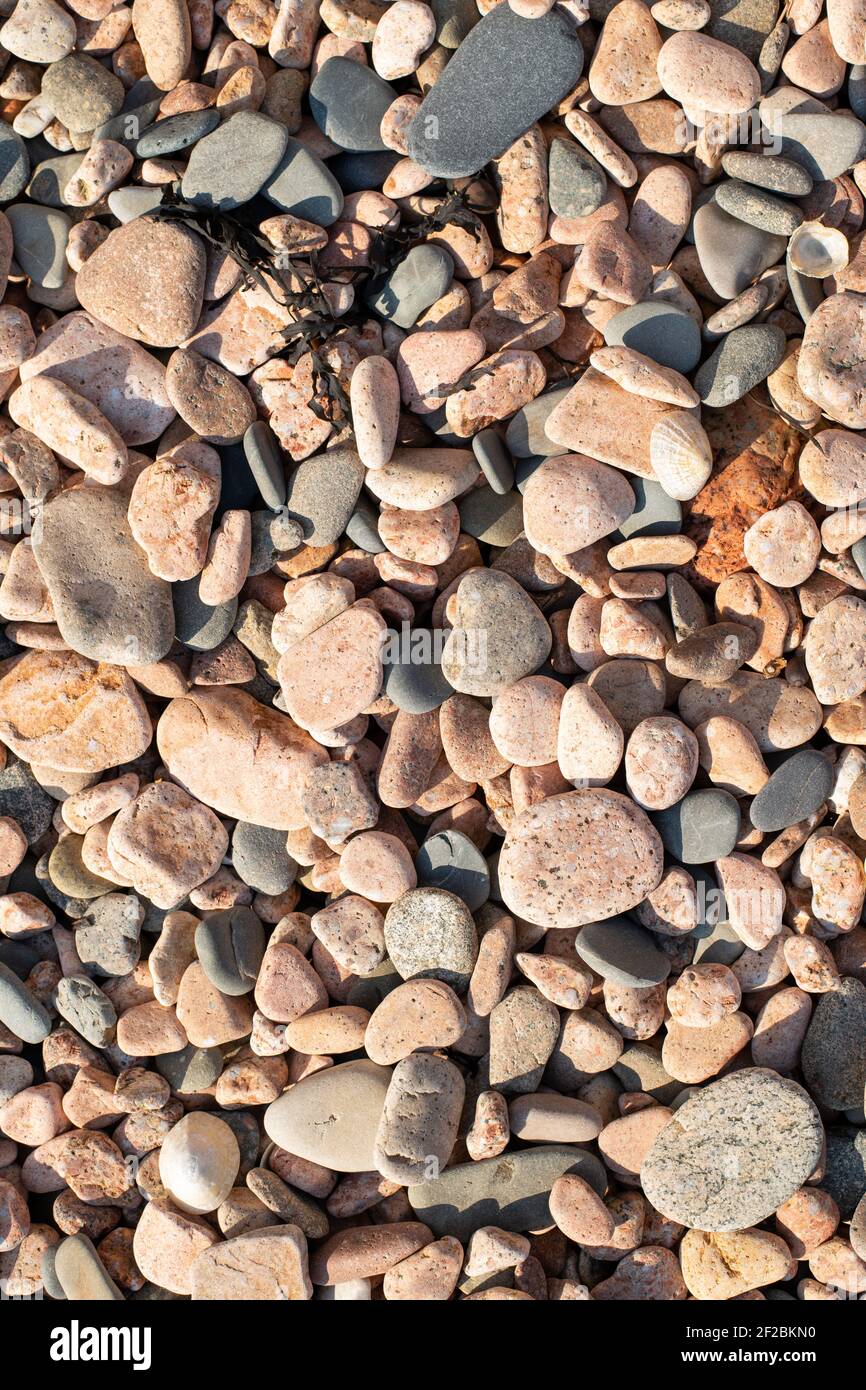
x: 294, y: 282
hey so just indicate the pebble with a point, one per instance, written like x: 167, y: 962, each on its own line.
x: 702, y: 828
x: 621, y: 951
x: 158, y: 302
x: 198, y: 1163
x: 451, y: 861
x: 420, y: 278
x: 455, y: 134
x: 793, y: 792
x: 512, y: 1194
x: 770, y: 1126
x: 419, y: 1122
x: 352, y: 1095
x: 430, y: 933
x: 267, y: 1263
x: 744, y: 358
x: 665, y: 334
x: 348, y: 101
x: 551, y: 867
x: 303, y: 186
x: 832, y: 1065
x: 211, y: 176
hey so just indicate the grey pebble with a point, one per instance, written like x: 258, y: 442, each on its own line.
x: 741, y: 361
x: 266, y: 465
x: 511, y: 1191
x: 40, y: 235
x: 176, y: 133
x: 302, y: 185
x: 49, y: 179
x: 20, y: 1010
x: 717, y: 945
x: 230, y: 945
x: 89, y: 1011
x: 757, y: 207
x: 430, y: 935
x: 200, y: 626
x: 418, y: 281
x: 362, y: 528
x: 416, y: 685
x: 260, y: 858
x: 620, y: 950
x: 107, y: 936
x: 22, y: 798
x: 131, y: 202
x: 796, y: 789
x: 492, y: 517
x: 494, y: 460
x: 322, y: 493
x: 858, y: 555
x: 192, y: 1069
x: 577, y: 182
x: 128, y: 126
x: 701, y: 828
x: 655, y: 514
x: 639, y: 1068
x: 108, y: 604
x: 732, y: 254
x: 825, y: 143
x: 773, y: 172
x: 845, y: 1168
x: 229, y: 167
x: 454, y: 19
x: 450, y: 860
x: 524, y: 469
x: 525, y: 436
x: 505, y: 75
x: 82, y: 93
x: 833, y: 1057
x: 661, y: 331
x: 14, y: 163
x: 348, y: 101
x: 16, y: 1074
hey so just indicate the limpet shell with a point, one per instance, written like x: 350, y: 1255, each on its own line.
x: 817, y: 251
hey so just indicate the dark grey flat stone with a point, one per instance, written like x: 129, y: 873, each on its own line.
x: 40, y: 234
x: 655, y: 514
x: 833, y: 1057
x: 260, y: 858
x: 14, y: 163
x: 198, y: 625
x: 773, y: 172
x: 577, y: 182
x: 794, y: 791
x: 732, y: 254
x: 348, y: 101
x: 505, y: 75
x: 510, y: 1192
x: 668, y: 335
x: 177, y: 133
x: 620, y: 950
x: 415, y: 684
x: 525, y: 436
x: 229, y: 167
x: 494, y: 460
x: 230, y: 946
x: 758, y: 207
x: 20, y: 1010
x: 322, y: 493
x: 22, y: 798
x: 701, y: 828
x: 302, y: 185
x: 491, y: 517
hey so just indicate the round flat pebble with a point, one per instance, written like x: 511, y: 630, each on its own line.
x: 701, y: 828
x: 770, y: 1127
x: 620, y: 950
x: 793, y: 792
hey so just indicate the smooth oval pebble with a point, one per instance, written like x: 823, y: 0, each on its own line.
x: 198, y: 1162
x: 793, y: 792
x: 620, y: 950
x: 332, y: 1117
x: 760, y: 1129
x: 450, y: 860
x: 701, y: 828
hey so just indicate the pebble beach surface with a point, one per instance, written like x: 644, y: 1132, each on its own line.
x: 433, y: 650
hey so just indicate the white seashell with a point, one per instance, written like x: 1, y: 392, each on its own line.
x: 680, y: 454
x: 817, y: 251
